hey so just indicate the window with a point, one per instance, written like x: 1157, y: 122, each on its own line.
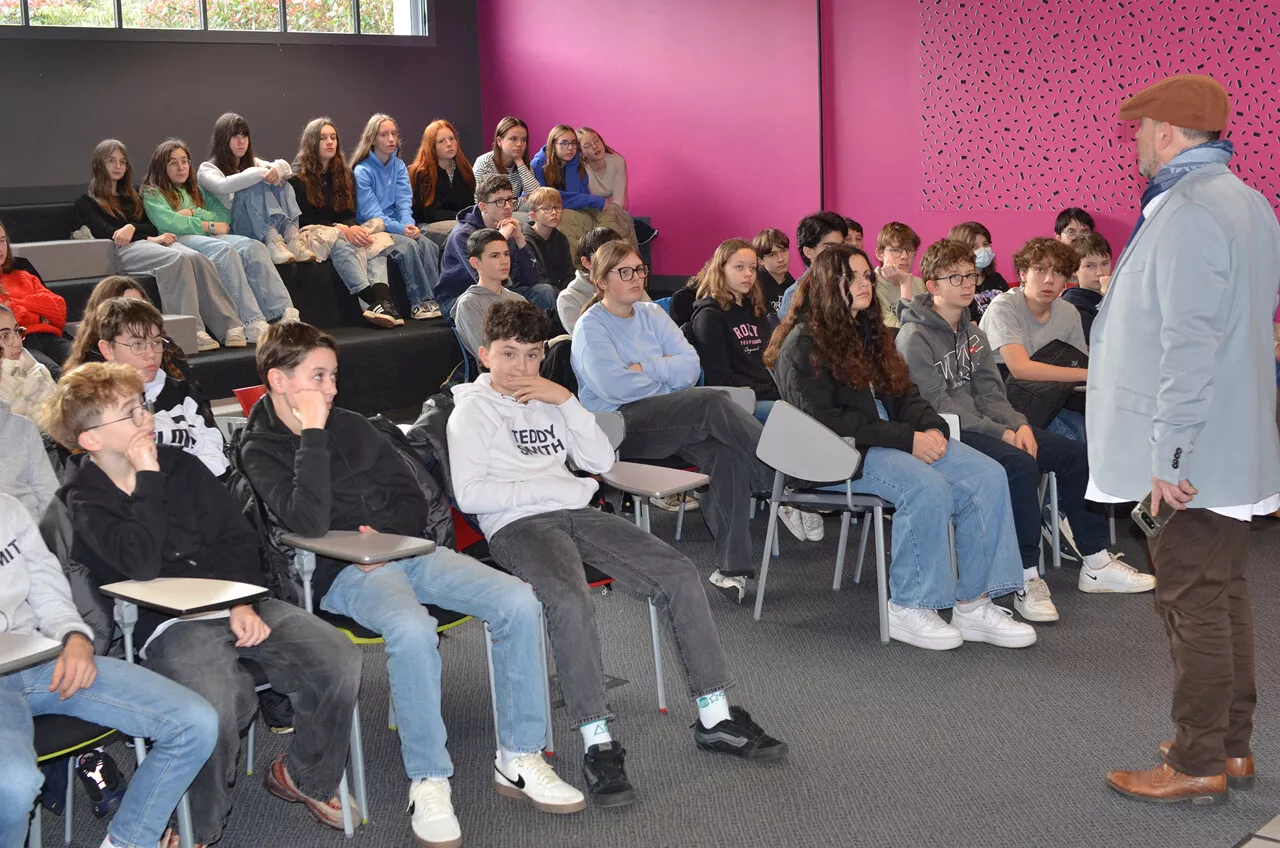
x: 301, y: 17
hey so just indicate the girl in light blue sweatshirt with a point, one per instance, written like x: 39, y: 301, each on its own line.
x: 383, y: 191
x: 631, y: 358
x: 560, y: 166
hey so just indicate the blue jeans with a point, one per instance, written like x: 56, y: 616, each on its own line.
x: 1069, y: 461
x: 356, y: 274
x: 388, y: 600
x: 244, y: 265
x: 963, y: 485
x: 541, y: 295
x: 1068, y: 424
x: 419, y: 263
x: 763, y: 408
x: 181, y: 725
x: 260, y: 206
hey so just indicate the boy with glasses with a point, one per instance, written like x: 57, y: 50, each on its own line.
x: 896, y: 247
x: 495, y: 201
x: 551, y: 254
x: 953, y: 365
x: 1092, y: 277
x: 1072, y: 223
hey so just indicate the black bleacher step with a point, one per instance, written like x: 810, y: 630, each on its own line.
x: 76, y: 292
x: 378, y: 369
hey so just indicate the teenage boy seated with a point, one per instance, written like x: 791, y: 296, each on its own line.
x: 814, y: 234
x: 131, y: 332
x: 570, y: 302
x: 318, y: 467
x: 896, y: 247
x: 24, y: 382
x: 490, y: 256
x: 1091, y: 277
x: 494, y: 204
x: 510, y: 438
x: 1072, y: 223
x: 952, y: 364
x: 854, y: 239
x: 774, y: 249
x: 141, y: 511
x: 35, y: 599
x: 551, y: 254
x: 1024, y: 319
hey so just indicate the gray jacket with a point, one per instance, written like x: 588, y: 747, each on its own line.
x: 955, y: 370
x: 1181, y: 371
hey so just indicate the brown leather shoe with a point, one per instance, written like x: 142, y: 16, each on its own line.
x: 329, y: 813
x: 1240, y: 772
x: 1165, y: 785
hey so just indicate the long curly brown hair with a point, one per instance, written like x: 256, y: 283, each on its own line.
x: 157, y: 179
x: 856, y: 347
x: 309, y: 170
x: 423, y: 170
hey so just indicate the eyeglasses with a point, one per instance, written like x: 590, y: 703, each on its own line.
x: 627, y: 273
x: 900, y: 251
x: 547, y: 209
x: 1073, y: 232
x: 138, y: 348
x: 868, y: 277
x: 7, y: 335
x: 502, y: 201
x: 957, y: 279
x: 138, y: 415
x: 566, y: 144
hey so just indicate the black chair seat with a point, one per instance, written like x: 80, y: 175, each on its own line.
x: 58, y: 736
x: 443, y: 619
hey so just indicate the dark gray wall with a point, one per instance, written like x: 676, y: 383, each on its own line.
x: 63, y: 97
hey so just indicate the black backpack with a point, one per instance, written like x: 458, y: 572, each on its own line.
x: 439, y: 517
x: 277, y: 558
x: 1041, y: 401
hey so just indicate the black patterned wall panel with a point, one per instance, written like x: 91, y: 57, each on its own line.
x: 1020, y: 96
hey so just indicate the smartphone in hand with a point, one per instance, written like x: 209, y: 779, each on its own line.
x: 1150, y: 524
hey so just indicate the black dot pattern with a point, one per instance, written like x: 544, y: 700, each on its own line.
x: 1020, y: 96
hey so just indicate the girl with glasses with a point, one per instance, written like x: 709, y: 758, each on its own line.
x: 188, y: 281
x: 24, y: 382
x: 560, y: 165
x: 834, y: 359
x: 630, y: 358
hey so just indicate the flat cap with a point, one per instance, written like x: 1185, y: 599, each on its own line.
x: 1190, y: 101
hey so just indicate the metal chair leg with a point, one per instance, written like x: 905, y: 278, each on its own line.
x: 69, y: 808
x: 185, y: 838
x: 1057, y: 520
x: 550, y: 747
x: 348, y: 827
x: 882, y: 576
x: 657, y: 658
x: 844, y: 541
x: 493, y: 692
x: 35, y: 835
x: 248, y: 766
x: 951, y: 543
x: 862, y: 549
x: 680, y: 518
x: 357, y: 766
x: 1111, y: 521
x: 1041, y: 490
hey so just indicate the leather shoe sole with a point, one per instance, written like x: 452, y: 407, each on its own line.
x: 1240, y: 770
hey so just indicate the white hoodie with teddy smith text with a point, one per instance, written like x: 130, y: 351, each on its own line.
x: 34, y: 594
x: 508, y: 458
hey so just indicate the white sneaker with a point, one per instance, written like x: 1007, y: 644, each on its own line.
x: 923, y: 628
x: 793, y: 520
x: 1115, y: 576
x: 205, y: 342
x: 280, y: 254
x: 533, y: 778
x: 235, y: 338
x: 993, y: 625
x: 434, y: 824
x: 671, y: 503
x: 426, y: 309
x: 300, y: 251
x: 814, y: 528
x: 255, y: 331
x: 291, y: 314
x: 734, y: 588
x: 1034, y: 603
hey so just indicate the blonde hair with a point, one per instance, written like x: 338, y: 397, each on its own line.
x: 370, y: 136
x: 712, y: 282
x: 81, y: 396
x: 544, y: 196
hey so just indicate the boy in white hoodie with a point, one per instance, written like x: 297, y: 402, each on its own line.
x: 35, y: 600
x: 510, y: 436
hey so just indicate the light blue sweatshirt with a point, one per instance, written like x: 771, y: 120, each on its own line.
x: 604, y: 345
x: 576, y: 193
x: 383, y: 191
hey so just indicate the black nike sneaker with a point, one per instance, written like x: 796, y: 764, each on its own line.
x: 740, y: 736
x: 101, y: 780
x: 606, y: 777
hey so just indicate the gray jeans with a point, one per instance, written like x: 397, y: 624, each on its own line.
x: 548, y: 551
x: 706, y: 428
x: 304, y: 658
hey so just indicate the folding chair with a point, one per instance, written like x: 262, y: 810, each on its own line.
x: 62, y: 737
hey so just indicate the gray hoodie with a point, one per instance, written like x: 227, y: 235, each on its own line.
x: 34, y: 593
x: 955, y: 370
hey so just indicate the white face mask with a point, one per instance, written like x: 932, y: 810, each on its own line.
x: 983, y: 257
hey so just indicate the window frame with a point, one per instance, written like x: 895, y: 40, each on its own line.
x: 119, y: 32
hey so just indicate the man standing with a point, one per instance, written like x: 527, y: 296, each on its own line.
x: 1180, y: 405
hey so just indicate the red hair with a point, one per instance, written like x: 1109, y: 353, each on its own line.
x: 422, y: 171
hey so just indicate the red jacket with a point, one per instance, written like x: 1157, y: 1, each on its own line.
x: 35, y: 307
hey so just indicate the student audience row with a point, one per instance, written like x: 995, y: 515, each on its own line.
x: 142, y: 457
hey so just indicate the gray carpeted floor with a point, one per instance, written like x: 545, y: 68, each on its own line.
x: 890, y: 746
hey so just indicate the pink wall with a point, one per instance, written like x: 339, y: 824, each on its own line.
x: 691, y: 93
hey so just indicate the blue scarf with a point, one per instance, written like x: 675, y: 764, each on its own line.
x: 1189, y: 160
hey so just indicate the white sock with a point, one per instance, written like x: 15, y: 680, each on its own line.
x: 1099, y: 560
x: 713, y: 709
x: 505, y: 757
x: 270, y: 235
x: 106, y: 842
x: 1029, y: 574
x: 595, y: 733
x: 967, y: 607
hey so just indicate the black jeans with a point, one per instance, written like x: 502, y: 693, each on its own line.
x: 304, y: 658
x: 706, y: 428
x: 548, y: 551
x: 1066, y: 458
